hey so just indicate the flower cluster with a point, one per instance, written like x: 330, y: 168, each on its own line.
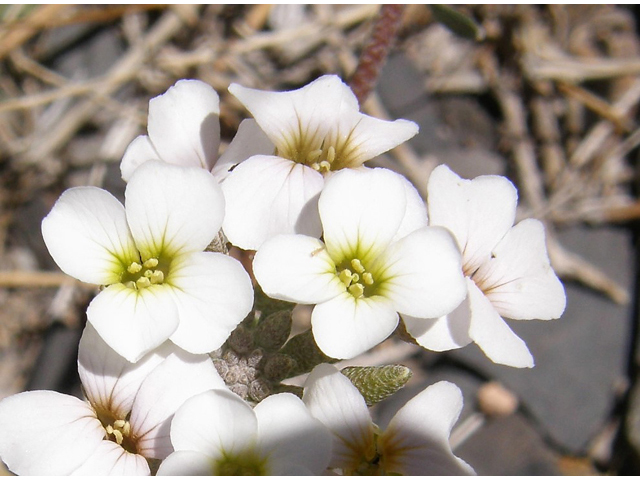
x: 184, y: 353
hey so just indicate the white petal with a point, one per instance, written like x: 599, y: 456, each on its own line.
x: 345, y: 327
x: 492, y: 335
x: 111, y: 459
x: 186, y: 463
x: 47, y: 433
x: 214, y: 423
x: 415, y: 216
x: 180, y: 377
x: 478, y: 212
x: 296, y: 268
x: 267, y: 196
x: 422, y: 273
x: 332, y: 399
x: 367, y: 137
x: 416, y: 442
x: 518, y: 279
x: 134, y: 322
x: 109, y: 381
x: 442, y: 333
x: 361, y: 212
x: 307, y: 113
x: 140, y: 150
x: 250, y: 140
x: 213, y: 294
x: 289, y: 435
x: 184, y: 126
x: 173, y: 210
x: 291, y: 470
x: 87, y: 235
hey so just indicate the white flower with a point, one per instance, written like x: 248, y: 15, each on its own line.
x: 124, y: 422
x: 506, y: 267
x: 371, y: 266
x: 184, y: 130
x: 217, y: 433
x: 416, y: 442
x: 316, y: 130
x: 149, y: 255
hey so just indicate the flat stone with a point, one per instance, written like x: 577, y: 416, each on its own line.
x: 509, y: 446
x: 456, y: 130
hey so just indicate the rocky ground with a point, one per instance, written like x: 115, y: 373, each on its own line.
x: 547, y: 96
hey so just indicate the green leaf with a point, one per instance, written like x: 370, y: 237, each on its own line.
x: 457, y: 22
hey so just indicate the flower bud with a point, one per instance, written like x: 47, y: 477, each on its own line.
x: 241, y: 340
x: 277, y: 367
x: 303, y: 349
x: 377, y: 383
x: 272, y: 332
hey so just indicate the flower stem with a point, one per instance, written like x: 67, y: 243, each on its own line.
x: 376, y: 50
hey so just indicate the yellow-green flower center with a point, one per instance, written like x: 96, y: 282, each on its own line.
x: 374, y: 461
x: 355, y: 277
x: 322, y: 154
x: 244, y: 464
x: 152, y: 271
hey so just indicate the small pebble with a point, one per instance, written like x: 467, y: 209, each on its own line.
x: 495, y: 400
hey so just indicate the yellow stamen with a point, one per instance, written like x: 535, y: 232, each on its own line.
x: 157, y: 277
x: 346, y: 277
x: 134, y: 268
x: 357, y: 290
x: 331, y: 154
x: 313, y: 155
x: 119, y: 436
x: 143, y: 282
x: 151, y: 263
x: 357, y: 265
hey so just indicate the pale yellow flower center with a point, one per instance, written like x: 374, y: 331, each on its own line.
x: 356, y: 278
x: 118, y: 430
x: 151, y: 272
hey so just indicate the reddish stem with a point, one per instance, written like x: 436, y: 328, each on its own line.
x: 376, y: 50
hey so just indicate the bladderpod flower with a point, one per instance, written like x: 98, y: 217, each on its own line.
x: 122, y: 426
x: 416, y: 441
x: 371, y: 265
x: 218, y: 433
x: 184, y: 129
x: 316, y: 130
x: 158, y: 282
x: 506, y: 268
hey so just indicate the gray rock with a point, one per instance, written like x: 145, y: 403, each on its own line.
x: 509, y: 446
x: 454, y: 129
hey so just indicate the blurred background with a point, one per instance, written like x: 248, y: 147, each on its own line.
x: 547, y: 96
